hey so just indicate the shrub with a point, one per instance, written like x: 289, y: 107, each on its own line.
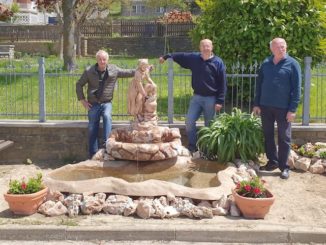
x: 230, y: 136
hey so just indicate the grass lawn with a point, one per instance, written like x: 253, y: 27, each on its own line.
x: 19, y: 87
x: 19, y: 90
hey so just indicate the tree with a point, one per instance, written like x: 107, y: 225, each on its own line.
x: 241, y: 30
x: 5, y: 13
x: 72, y: 14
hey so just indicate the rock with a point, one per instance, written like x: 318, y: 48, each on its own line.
x: 51, y: 208
x: 116, y: 204
x: 171, y: 212
x: 99, y: 155
x: 145, y: 209
x: 293, y: 156
x: 130, y: 208
x: 204, y: 203
x: 202, y: 212
x: 55, y: 196
x: 28, y: 161
x: 321, y: 144
x: 93, y: 204
x: 73, y: 202
x: 317, y: 167
x: 219, y: 211
x: 234, y: 210
x: 303, y: 163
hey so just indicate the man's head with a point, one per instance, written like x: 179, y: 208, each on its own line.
x: 102, y: 58
x: 278, y: 47
x: 206, y: 48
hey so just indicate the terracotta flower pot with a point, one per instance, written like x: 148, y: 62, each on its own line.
x: 26, y: 204
x: 254, y: 208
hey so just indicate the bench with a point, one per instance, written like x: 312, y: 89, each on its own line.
x: 5, y: 144
x: 7, y: 51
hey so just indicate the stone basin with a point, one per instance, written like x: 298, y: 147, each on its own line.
x: 145, y: 178
x: 145, y: 142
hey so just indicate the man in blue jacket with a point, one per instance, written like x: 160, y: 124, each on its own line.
x: 277, y: 98
x: 208, y: 82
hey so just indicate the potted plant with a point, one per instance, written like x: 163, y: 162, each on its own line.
x: 231, y: 136
x: 252, y: 198
x: 26, y: 195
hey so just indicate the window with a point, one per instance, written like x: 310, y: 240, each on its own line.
x: 138, y: 8
x: 160, y: 10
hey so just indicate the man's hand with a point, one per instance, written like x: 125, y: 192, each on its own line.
x: 218, y: 107
x: 256, y: 110
x: 161, y: 60
x: 290, y: 116
x: 86, y: 104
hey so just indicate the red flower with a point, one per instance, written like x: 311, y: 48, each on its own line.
x: 247, y: 187
x: 256, y: 190
x: 24, y: 186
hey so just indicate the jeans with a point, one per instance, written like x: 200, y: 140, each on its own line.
x: 198, y: 104
x: 268, y: 116
x: 94, y: 115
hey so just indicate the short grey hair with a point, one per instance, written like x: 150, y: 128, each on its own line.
x: 277, y: 38
x: 102, y: 52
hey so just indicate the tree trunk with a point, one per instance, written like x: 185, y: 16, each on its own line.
x: 69, y: 52
x: 78, y: 39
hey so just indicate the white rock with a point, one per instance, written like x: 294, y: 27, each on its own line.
x: 234, y: 211
x: 303, y: 163
x: 317, y: 167
x: 219, y: 211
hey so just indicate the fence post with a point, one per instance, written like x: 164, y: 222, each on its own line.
x: 41, y: 79
x: 306, y: 95
x: 170, y: 91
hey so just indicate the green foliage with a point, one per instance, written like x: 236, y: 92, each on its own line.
x: 242, y: 29
x: 230, y: 136
x: 167, y: 3
x: 311, y: 150
x: 253, y: 188
x: 323, y: 155
x: 23, y: 186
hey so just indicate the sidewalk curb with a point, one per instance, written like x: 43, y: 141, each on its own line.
x: 244, y: 233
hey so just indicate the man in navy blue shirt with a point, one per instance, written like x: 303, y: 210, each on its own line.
x: 277, y: 98
x: 208, y: 82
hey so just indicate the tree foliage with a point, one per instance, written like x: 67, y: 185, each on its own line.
x: 242, y: 29
x: 72, y: 14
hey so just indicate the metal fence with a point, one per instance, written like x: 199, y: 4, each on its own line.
x: 45, y: 92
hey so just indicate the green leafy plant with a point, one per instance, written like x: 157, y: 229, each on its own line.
x: 323, y: 155
x: 231, y: 136
x: 253, y: 188
x: 310, y: 150
x: 254, y: 23
x: 26, y: 186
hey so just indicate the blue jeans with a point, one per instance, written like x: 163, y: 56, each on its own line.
x: 268, y: 116
x: 198, y: 105
x: 94, y: 116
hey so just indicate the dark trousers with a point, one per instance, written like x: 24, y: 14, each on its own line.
x: 268, y: 116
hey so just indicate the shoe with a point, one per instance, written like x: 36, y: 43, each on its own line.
x: 285, y: 174
x: 269, y: 167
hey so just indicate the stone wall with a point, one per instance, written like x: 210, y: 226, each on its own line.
x: 37, y: 48
x: 131, y: 46
x: 66, y: 142
x: 137, y: 46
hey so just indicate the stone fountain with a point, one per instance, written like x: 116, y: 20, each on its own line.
x: 138, y: 157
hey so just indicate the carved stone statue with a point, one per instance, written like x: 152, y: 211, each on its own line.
x: 142, y: 97
x: 143, y: 140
